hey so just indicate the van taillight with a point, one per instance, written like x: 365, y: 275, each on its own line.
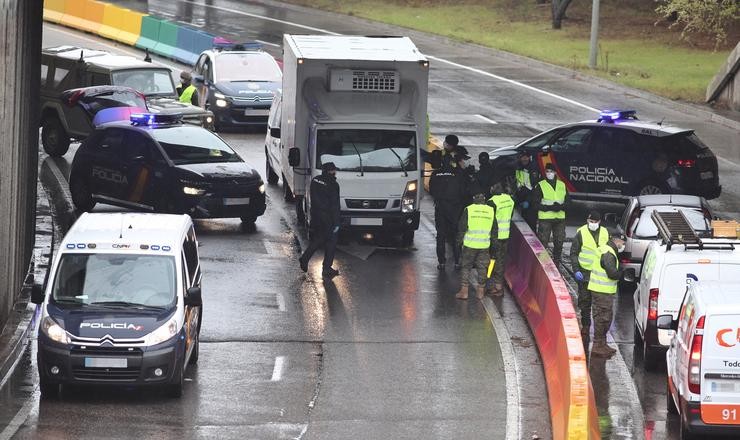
x: 653, y: 305
x: 695, y: 360
x: 686, y: 163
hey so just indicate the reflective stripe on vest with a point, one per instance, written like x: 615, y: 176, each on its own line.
x: 599, y: 281
x: 589, y: 247
x: 480, y: 222
x: 549, y: 197
x: 187, y: 94
x: 504, y: 210
x: 523, y: 179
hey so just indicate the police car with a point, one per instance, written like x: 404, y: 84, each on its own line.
x: 156, y: 163
x: 122, y: 305
x: 239, y: 83
x: 618, y: 155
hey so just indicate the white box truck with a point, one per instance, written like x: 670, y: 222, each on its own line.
x: 361, y: 103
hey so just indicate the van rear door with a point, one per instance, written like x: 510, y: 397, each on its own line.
x: 676, y: 279
x: 720, y: 369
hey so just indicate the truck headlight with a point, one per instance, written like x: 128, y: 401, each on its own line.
x: 221, y: 103
x: 192, y: 191
x: 163, y: 333
x: 262, y: 188
x: 54, y: 331
x: 408, y: 201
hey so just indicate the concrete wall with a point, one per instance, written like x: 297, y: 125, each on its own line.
x: 725, y: 87
x: 20, y: 51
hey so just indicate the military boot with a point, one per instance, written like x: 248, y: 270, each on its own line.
x: 602, y: 350
x: 480, y: 291
x: 463, y: 293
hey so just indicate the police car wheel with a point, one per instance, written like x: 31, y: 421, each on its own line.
x: 272, y: 177
x: 54, y: 138
x: 652, y: 188
x: 407, y: 238
x: 81, y: 196
x: 49, y: 390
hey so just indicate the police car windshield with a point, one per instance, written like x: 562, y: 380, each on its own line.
x: 150, y: 82
x: 189, y: 145
x: 367, y: 150
x: 90, y: 279
x: 247, y: 67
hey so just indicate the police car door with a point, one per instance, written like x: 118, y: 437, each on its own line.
x: 613, y: 160
x: 140, y: 165
x: 107, y: 177
x: 570, y: 155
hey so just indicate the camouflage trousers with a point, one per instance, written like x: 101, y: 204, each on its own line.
x: 556, y: 228
x: 499, y: 253
x: 477, y: 259
x: 584, y: 301
x: 603, y: 310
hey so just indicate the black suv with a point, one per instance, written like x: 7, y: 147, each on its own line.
x: 69, y: 67
x: 617, y: 156
x: 157, y: 163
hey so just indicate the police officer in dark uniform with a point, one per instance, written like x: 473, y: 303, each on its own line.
x: 447, y: 187
x: 485, y: 174
x: 324, y: 219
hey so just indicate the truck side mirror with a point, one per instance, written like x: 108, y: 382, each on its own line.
x: 629, y: 275
x: 275, y: 132
x: 294, y: 157
x: 193, y: 297
x: 666, y: 322
x: 37, y: 294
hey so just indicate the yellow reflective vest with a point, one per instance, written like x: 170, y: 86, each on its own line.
x: 187, y: 94
x: 480, y: 223
x: 523, y: 179
x: 599, y: 281
x: 550, y: 196
x: 504, y: 210
x: 589, y: 247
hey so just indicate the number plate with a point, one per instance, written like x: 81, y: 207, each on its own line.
x: 719, y: 414
x: 236, y: 201
x: 106, y: 363
x: 256, y: 112
x: 706, y: 175
x: 724, y: 386
x: 366, y: 221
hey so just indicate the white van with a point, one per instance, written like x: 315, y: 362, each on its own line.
x: 122, y: 305
x: 671, y: 265
x: 703, y: 360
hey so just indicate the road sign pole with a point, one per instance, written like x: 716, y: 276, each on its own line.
x: 594, y: 35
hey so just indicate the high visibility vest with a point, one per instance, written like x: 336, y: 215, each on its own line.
x: 187, y: 94
x: 480, y: 222
x: 551, y: 196
x: 523, y: 179
x: 599, y: 281
x: 504, y: 209
x: 589, y: 247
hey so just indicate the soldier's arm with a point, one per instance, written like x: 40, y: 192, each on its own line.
x: 610, y: 265
x: 575, y: 249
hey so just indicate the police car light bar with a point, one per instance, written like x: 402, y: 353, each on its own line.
x: 613, y: 115
x: 222, y: 44
x: 141, y: 119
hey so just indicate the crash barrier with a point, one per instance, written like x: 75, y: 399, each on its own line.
x: 158, y: 35
x: 544, y: 299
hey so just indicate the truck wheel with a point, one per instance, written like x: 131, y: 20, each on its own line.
x: 300, y: 210
x: 53, y: 137
x: 49, y: 390
x: 650, y: 357
x: 272, y: 177
x: 287, y: 193
x: 407, y: 238
x: 670, y: 406
x: 81, y: 196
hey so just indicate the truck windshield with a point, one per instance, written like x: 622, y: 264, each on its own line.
x: 367, y: 150
x: 150, y: 82
x: 105, y: 279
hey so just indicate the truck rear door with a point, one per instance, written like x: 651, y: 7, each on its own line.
x: 720, y: 369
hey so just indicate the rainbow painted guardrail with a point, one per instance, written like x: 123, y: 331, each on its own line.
x: 545, y: 301
x: 534, y: 280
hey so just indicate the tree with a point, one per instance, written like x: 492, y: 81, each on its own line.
x: 703, y: 17
x: 558, y: 12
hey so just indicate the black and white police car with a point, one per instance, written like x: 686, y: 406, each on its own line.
x: 619, y: 155
x: 156, y: 163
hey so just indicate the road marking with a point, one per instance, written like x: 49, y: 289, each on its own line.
x: 277, y: 371
x: 18, y: 420
x: 280, y: 301
x: 490, y: 121
x: 442, y: 60
x: 268, y: 43
x: 513, y: 421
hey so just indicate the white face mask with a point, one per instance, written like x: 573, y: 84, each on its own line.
x: 594, y: 226
x: 550, y: 175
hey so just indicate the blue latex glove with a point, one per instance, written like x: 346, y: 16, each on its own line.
x: 335, y: 230
x: 579, y: 276
x: 525, y: 205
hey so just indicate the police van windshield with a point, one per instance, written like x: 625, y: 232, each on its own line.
x: 150, y: 82
x: 189, y: 145
x: 146, y: 281
x: 247, y: 67
x: 367, y: 150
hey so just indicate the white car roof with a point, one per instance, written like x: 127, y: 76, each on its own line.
x: 717, y: 297
x: 678, y: 254
x: 134, y: 230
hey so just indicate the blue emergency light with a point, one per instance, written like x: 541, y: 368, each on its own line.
x: 614, y: 115
x: 222, y: 44
x: 151, y: 119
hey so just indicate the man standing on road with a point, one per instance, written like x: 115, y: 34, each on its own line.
x: 324, y: 219
x: 447, y: 189
x: 503, y: 206
x: 603, y: 283
x: 526, y: 176
x: 550, y: 198
x: 449, y: 150
x: 186, y: 90
x: 474, y: 234
x: 583, y: 253
x: 484, y: 176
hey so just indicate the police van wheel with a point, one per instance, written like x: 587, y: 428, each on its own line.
x: 248, y: 220
x: 81, y: 196
x: 670, y: 405
x: 49, y: 390
x: 407, y: 238
x: 196, y: 350
x: 174, y: 390
x: 272, y: 177
x: 53, y: 137
x: 300, y: 210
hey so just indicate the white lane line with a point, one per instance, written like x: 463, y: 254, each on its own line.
x: 17, y: 421
x: 268, y: 43
x: 136, y: 54
x: 513, y: 421
x: 277, y: 371
x: 490, y: 121
x: 442, y: 60
x: 280, y: 301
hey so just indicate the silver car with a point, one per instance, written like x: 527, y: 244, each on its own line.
x: 640, y: 230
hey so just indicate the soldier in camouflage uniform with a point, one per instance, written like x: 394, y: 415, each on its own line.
x: 583, y: 253
x: 603, y: 282
x: 474, y: 234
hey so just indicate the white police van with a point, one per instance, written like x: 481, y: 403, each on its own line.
x: 703, y: 360
x: 671, y: 265
x: 122, y: 305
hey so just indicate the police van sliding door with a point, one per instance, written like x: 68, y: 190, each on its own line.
x: 570, y: 155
